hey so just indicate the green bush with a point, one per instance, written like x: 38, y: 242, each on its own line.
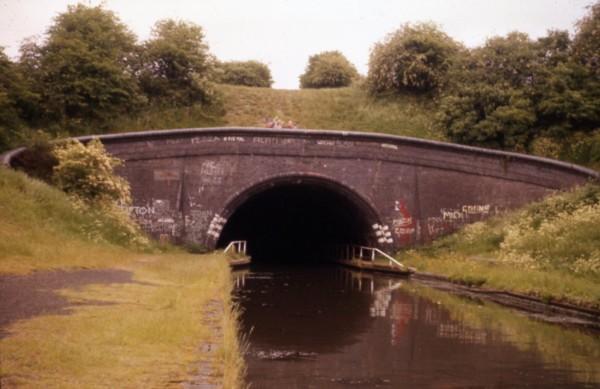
x: 415, y: 58
x: 86, y: 172
x: 248, y: 73
x: 329, y: 69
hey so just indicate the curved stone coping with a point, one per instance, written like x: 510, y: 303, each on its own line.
x: 345, y: 135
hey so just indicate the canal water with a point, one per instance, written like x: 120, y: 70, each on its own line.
x: 331, y: 327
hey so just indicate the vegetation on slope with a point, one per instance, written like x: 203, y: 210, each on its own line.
x: 513, y: 92
x: 144, y: 333
x: 550, y: 249
x: 335, y: 109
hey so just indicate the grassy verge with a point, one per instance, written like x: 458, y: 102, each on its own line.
x: 550, y: 249
x: 143, y: 334
x: 146, y: 334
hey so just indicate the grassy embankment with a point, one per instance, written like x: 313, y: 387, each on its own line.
x: 149, y: 334
x: 550, y: 249
x: 334, y: 109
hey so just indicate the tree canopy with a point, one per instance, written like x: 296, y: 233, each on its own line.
x: 83, y: 70
x: 175, y: 65
x: 329, y: 69
x: 248, y: 73
x: 415, y: 58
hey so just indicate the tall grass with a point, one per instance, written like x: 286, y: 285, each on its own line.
x: 550, y: 248
x: 40, y: 228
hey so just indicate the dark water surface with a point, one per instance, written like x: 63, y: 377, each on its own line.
x: 330, y: 327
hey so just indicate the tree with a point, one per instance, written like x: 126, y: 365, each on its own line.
x: 488, y: 102
x: 329, y: 69
x: 415, y: 58
x: 83, y: 70
x: 487, y: 115
x: 15, y: 102
x: 248, y: 73
x: 586, y: 44
x: 509, y: 60
x: 176, y: 67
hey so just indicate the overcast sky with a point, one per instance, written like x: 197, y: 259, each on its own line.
x: 284, y: 33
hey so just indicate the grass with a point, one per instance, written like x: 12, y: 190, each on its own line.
x: 40, y: 229
x: 148, y: 334
x: 549, y: 284
x: 350, y: 109
x: 549, y: 249
x: 335, y: 109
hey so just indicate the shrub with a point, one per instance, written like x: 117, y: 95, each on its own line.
x: 248, y: 73
x: 86, y: 172
x: 329, y: 69
x: 415, y: 58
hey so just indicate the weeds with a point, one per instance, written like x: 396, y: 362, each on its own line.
x: 550, y: 249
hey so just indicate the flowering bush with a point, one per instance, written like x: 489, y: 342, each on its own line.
x: 86, y: 173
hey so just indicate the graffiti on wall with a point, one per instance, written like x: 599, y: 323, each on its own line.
x: 450, y: 219
x: 212, y: 173
x: 155, y: 217
x: 216, y: 226
x: 383, y: 233
x: 403, y: 224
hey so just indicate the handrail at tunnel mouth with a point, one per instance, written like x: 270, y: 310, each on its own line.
x: 296, y: 216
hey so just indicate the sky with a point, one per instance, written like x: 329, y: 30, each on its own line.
x: 284, y: 33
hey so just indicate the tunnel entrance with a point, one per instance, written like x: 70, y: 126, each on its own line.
x: 298, y: 222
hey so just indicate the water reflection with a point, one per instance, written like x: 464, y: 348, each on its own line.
x: 333, y: 327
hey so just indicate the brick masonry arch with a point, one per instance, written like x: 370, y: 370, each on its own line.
x: 186, y: 182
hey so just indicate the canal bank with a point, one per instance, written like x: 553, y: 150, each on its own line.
x: 542, y: 308
x: 154, y: 321
x: 79, y: 307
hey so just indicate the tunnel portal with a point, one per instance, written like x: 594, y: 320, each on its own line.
x: 300, y: 222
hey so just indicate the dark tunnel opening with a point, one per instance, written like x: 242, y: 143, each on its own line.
x: 297, y: 223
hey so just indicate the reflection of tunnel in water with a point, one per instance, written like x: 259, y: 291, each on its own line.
x: 296, y: 222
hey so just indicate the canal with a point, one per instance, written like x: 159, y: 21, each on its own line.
x: 330, y: 327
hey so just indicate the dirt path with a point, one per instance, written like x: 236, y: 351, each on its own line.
x: 26, y: 296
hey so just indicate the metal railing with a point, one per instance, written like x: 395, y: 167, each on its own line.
x: 369, y: 254
x: 239, y: 246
